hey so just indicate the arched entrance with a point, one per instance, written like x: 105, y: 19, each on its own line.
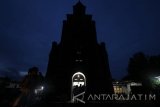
x: 78, y: 87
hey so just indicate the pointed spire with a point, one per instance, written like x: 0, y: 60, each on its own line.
x: 79, y: 8
x: 79, y: 3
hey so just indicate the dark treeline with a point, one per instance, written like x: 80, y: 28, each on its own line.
x: 145, y: 69
x: 141, y: 67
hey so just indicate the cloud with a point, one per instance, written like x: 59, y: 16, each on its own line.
x: 11, y: 73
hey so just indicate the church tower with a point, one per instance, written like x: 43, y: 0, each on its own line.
x: 78, y: 61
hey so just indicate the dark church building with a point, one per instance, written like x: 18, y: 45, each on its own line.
x: 78, y: 66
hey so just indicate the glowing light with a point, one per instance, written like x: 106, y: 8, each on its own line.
x: 35, y: 91
x: 78, y: 84
x: 136, y: 84
x: 39, y: 90
x: 79, y: 74
x: 158, y: 78
x: 78, y: 79
x: 42, y: 87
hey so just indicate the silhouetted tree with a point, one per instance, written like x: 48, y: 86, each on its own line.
x: 154, y: 64
x: 143, y: 68
x: 137, y: 66
x: 28, y: 86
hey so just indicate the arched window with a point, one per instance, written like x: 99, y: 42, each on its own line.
x: 78, y: 87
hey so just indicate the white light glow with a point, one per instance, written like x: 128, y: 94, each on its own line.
x: 42, y: 87
x: 35, y: 91
x: 81, y: 82
x: 39, y: 90
x: 158, y: 78
x: 135, y: 84
x: 79, y: 73
x: 78, y: 84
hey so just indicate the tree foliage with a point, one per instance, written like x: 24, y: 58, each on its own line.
x: 141, y: 66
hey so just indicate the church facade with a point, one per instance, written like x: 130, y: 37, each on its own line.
x: 78, y: 66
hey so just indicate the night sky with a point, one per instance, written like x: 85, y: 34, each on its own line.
x: 28, y: 27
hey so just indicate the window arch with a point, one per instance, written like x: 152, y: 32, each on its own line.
x: 78, y: 87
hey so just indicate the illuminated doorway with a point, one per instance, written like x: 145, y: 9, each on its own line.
x: 78, y: 87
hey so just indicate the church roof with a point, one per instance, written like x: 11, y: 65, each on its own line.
x: 79, y: 4
x: 79, y: 8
